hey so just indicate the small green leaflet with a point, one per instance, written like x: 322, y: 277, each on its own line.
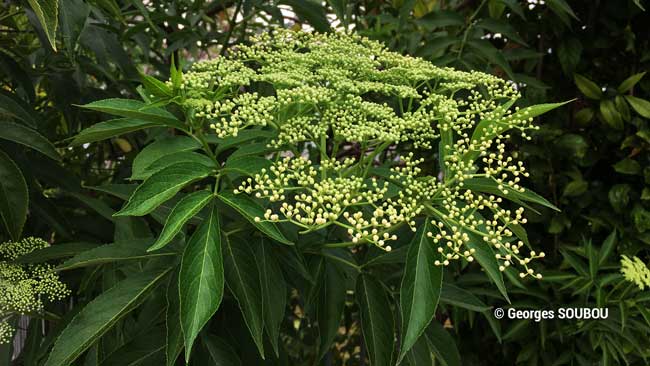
x: 162, y: 186
x: 132, y: 249
x: 169, y: 160
x: 14, y: 197
x: 161, y: 148
x: 107, y: 129
x: 47, y: 12
x: 420, y: 289
x: 184, y: 210
x: 26, y: 136
x: 201, y: 279
x: 243, y: 280
x: 376, y: 320
x: 134, y: 109
x: 250, y: 209
x: 101, y: 314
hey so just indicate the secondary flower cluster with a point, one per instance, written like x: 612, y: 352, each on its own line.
x: 327, y: 87
x: 344, y: 110
x: 23, y: 288
x: 635, y: 271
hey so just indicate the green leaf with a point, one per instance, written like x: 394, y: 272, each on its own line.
x: 420, y: 354
x: 74, y: 14
x: 619, y: 196
x: 47, y: 12
x: 608, y: 247
x: 162, y: 186
x: 485, y: 256
x: 17, y: 108
x: 498, y: 26
x: 515, y: 7
x: 641, y: 106
x: 630, y: 82
x: 243, y: 280
x: 310, y: 11
x: 645, y: 194
x: 155, y: 87
x: 139, y: 351
x: 569, y: 53
x: 201, y: 279
x: 134, y: 109
x: 489, y: 185
x: 56, y: 251
x: 456, y: 296
x: 173, y: 330
x: 184, y: 210
x: 252, y: 149
x: 376, y: 320
x: 593, y: 259
x: 443, y: 345
x: 588, y: 87
x: 249, y: 165
x: 329, y: 309
x: 14, y: 197
x: 184, y: 157
x: 274, y: 291
x: 489, y: 129
x: 538, y: 109
x: 162, y: 148
x: 124, y: 191
x: 572, y: 144
x: 612, y: 117
x: 420, y: 289
x: 627, y: 166
x: 394, y: 256
x: 242, y: 138
x: 562, y: 9
x: 250, y: 209
x: 220, y: 352
x: 576, y: 262
x: 520, y: 54
x: 491, y: 54
x: 438, y: 45
x: 107, y: 129
x: 638, y: 4
x: 99, y: 316
x: 115, y: 252
x: 26, y: 136
x: 584, y: 116
x: 575, y: 188
x: 623, y: 108
x: 442, y: 18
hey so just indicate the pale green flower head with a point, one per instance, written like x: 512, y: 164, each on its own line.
x: 635, y: 271
x: 397, y: 140
x: 25, y: 287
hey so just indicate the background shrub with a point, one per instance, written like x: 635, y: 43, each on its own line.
x: 589, y: 158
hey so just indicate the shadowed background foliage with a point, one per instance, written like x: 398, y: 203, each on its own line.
x: 590, y: 158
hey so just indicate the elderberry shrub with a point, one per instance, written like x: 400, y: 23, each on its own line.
x: 324, y: 141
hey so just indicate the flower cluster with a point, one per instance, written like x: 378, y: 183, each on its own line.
x: 344, y: 109
x: 24, y: 288
x: 329, y: 85
x: 635, y: 271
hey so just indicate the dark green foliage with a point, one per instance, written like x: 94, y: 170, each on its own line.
x: 280, y: 296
